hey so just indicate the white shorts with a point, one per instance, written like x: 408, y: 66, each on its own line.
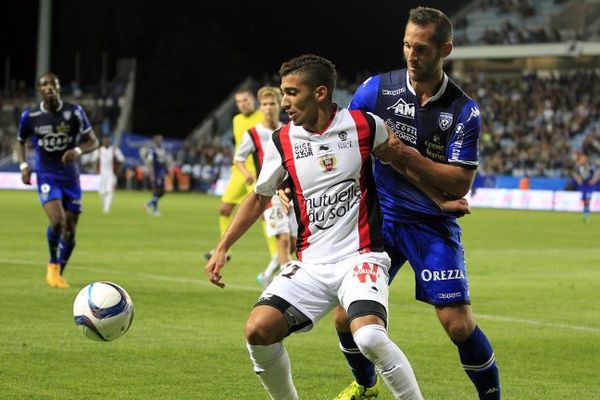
x: 315, y: 289
x: 107, y: 183
x: 279, y: 223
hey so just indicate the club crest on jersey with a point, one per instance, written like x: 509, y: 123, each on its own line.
x: 67, y: 114
x: 344, y: 143
x: 327, y: 162
x: 445, y: 120
x: 403, y: 109
x: 366, y: 270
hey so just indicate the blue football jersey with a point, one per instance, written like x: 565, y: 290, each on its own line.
x: 446, y: 130
x: 52, y: 133
x: 158, y: 157
x: 586, y: 171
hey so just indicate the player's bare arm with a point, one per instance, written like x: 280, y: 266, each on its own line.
x: 390, y: 151
x: 453, y: 180
x: 88, y: 144
x: 250, y: 210
x: 247, y: 174
x: 23, y: 166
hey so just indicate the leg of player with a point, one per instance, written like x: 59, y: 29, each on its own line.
x: 225, y: 216
x: 265, y: 329
x: 366, y: 385
x: 475, y: 350
x: 57, y: 220
x: 586, y: 206
x: 67, y: 240
x: 373, y: 341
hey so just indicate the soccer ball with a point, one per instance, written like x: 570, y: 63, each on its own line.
x: 103, y: 311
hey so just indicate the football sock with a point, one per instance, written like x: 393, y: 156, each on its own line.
x: 586, y: 212
x: 362, y: 369
x: 271, y: 267
x: 389, y: 360
x: 478, y: 360
x: 107, y: 201
x: 224, y: 222
x: 65, y: 248
x: 272, y: 365
x: 53, y: 235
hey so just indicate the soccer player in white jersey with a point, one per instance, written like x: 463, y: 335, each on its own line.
x: 110, y: 160
x: 326, y: 153
x: 253, y: 143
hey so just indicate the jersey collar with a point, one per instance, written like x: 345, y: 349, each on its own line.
x: 436, y: 96
x: 60, y: 105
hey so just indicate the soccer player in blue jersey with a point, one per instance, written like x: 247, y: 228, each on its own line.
x: 432, y: 115
x: 60, y: 132
x: 585, y: 176
x: 156, y: 159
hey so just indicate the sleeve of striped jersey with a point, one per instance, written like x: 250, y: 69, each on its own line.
x: 23, y: 132
x: 119, y: 155
x: 464, y: 141
x: 85, y: 125
x: 381, y: 133
x: 246, y: 148
x: 272, y: 172
x: 365, y: 97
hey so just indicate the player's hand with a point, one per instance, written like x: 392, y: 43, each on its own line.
x: 26, y: 176
x: 459, y: 207
x: 69, y: 156
x: 283, y: 195
x: 214, y: 266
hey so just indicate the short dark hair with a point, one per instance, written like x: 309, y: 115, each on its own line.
x: 317, y: 70
x: 424, y: 16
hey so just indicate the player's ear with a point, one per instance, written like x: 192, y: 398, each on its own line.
x: 321, y: 93
x: 446, y: 49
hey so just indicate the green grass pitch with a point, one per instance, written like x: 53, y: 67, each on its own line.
x: 535, y: 284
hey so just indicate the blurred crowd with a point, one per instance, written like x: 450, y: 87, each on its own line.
x: 532, y: 126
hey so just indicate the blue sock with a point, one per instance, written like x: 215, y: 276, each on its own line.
x: 53, y: 236
x: 478, y: 360
x: 153, y: 202
x: 64, y: 252
x: 362, y: 369
x: 586, y: 212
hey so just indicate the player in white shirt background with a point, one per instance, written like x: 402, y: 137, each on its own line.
x: 253, y: 143
x: 110, y: 160
x: 326, y: 152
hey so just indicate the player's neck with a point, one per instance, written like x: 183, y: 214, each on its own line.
x: 324, y: 117
x: 427, y: 88
x: 271, y: 124
x: 52, y: 105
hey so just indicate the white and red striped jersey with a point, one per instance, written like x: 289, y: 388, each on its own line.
x: 333, y: 192
x: 254, y: 142
x: 106, y: 159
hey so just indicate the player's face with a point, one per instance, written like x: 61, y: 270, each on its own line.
x: 299, y: 101
x: 105, y: 141
x: 244, y: 102
x: 49, y: 88
x: 158, y: 140
x: 270, y: 108
x: 423, y: 57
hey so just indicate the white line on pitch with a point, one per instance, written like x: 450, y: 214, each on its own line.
x: 201, y: 282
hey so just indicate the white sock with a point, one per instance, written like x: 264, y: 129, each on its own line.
x: 272, y: 365
x: 391, y: 363
x: 271, y: 267
x: 107, y: 201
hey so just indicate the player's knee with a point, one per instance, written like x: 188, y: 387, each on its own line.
x: 225, y: 209
x: 371, y: 340
x: 340, y: 320
x: 258, y: 332
x: 459, y: 329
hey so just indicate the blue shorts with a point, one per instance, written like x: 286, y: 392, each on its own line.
x: 586, y: 192
x: 69, y: 193
x: 436, y: 255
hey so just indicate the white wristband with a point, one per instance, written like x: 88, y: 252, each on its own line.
x: 78, y: 150
x: 23, y: 166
